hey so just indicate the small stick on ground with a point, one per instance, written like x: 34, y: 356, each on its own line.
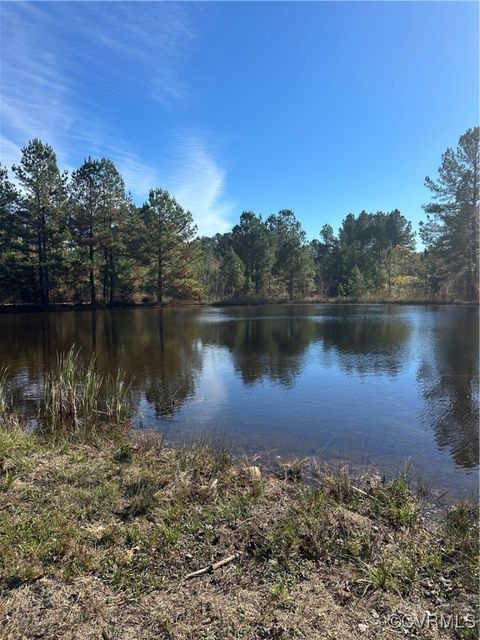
x: 364, y: 493
x: 213, y: 566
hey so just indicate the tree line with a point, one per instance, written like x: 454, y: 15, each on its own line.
x: 81, y: 238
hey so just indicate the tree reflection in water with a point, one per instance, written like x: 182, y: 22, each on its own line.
x: 164, y: 353
x: 449, y: 381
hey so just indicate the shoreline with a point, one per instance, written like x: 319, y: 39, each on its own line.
x: 69, y: 306
x: 126, y: 538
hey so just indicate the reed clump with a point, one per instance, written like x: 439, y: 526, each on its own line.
x: 8, y: 417
x: 80, y: 402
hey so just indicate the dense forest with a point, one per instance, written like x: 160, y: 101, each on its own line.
x: 80, y: 238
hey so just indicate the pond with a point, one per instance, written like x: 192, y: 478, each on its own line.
x: 368, y: 384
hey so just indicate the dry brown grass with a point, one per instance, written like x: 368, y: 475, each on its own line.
x: 96, y: 542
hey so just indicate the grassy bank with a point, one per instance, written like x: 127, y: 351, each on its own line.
x: 107, y: 534
x: 100, y: 540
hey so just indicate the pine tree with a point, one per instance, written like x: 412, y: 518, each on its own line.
x: 451, y: 232
x: 394, y: 238
x: 43, y: 191
x: 253, y: 243
x: 85, y: 202
x: 114, y: 211
x: 233, y: 273
x: 168, y: 247
x: 293, y: 260
x: 15, y: 260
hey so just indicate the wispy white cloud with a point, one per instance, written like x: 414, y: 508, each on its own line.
x: 139, y: 176
x: 9, y: 151
x: 46, y: 92
x: 198, y: 183
x: 34, y: 92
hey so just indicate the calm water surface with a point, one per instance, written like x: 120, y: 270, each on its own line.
x: 364, y: 383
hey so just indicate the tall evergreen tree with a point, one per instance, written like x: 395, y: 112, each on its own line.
x: 451, y: 232
x: 233, y: 273
x: 211, y: 268
x: 114, y: 211
x: 253, y: 243
x: 394, y: 238
x: 168, y: 245
x: 325, y: 255
x: 15, y: 264
x: 293, y: 261
x: 85, y: 192
x: 358, y: 249
x: 43, y: 191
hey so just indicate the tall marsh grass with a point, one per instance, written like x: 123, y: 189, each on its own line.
x: 4, y: 404
x: 8, y: 417
x: 79, y: 402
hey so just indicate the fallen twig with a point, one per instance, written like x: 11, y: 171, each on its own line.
x: 364, y: 493
x: 213, y: 566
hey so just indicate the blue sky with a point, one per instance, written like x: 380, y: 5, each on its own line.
x: 325, y: 108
